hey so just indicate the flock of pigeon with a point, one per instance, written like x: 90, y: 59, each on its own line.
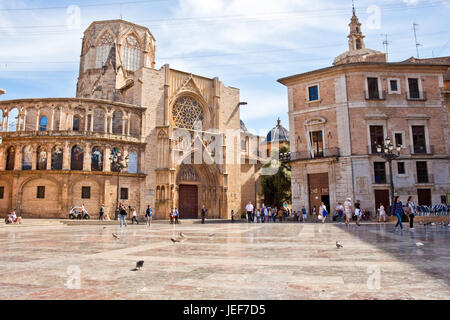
x: 183, y: 238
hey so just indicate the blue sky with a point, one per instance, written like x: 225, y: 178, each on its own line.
x: 248, y: 44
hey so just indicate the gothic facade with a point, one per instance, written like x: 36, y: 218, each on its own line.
x: 180, y: 133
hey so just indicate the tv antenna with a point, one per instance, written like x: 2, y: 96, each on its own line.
x: 415, y: 38
x: 386, y: 44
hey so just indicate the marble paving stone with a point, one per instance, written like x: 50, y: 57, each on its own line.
x: 241, y: 261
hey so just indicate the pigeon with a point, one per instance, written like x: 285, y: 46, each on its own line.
x: 139, y: 264
x: 427, y: 224
x: 419, y: 244
x: 339, y: 245
x: 115, y: 236
x: 175, y: 240
x: 211, y: 234
x: 433, y: 224
x: 182, y: 235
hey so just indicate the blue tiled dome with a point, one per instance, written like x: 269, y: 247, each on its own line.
x: 278, y: 134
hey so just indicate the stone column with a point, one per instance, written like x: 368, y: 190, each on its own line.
x: 2, y: 158
x: 92, y: 122
x: 37, y: 119
x: 128, y: 125
x: 66, y: 156
x: 33, y: 162
x: 106, y: 123
x: 106, y: 160
x: 86, y: 117
x: 7, y: 121
x: 110, y: 124
x: 53, y: 120
x: 125, y: 154
x: 87, y: 157
x: 49, y: 157
x: 18, y: 157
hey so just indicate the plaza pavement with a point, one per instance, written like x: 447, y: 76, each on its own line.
x: 45, y: 259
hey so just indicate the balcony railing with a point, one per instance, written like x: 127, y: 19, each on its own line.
x: 68, y: 133
x: 307, y: 155
x: 418, y: 96
x: 375, y: 95
x: 422, y: 149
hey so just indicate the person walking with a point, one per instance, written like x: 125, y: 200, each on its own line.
x: 102, y: 212
x: 358, y: 213
x: 134, y: 217
x: 412, y: 209
x: 314, y: 214
x: 204, y: 212
x: 381, y: 213
x: 397, y: 210
x: 171, y: 215
x: 249, y: 209
x: 177, y: 215
x: 323, y: 212
x: 123, y: 215
x: 348, y: 210
x: 303, y: 214
x: 258, y: 216
x: 232, y: 215
x: 148, y: 215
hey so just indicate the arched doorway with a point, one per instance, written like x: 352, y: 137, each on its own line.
x: 188, y: 181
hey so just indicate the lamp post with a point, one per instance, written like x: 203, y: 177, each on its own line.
x: 118, y: 163
x: 389, y: 152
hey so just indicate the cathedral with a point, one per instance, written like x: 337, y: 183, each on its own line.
x: 179, y: 135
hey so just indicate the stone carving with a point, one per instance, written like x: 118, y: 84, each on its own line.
x: 186, y: 113
x: 188, y: 173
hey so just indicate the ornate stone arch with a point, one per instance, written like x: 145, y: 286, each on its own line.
x: 188, y: 107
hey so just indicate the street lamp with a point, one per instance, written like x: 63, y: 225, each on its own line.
x: 389, y: 152
x: 118, y: 163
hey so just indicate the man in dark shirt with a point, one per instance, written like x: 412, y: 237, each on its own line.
x: 204, y: 211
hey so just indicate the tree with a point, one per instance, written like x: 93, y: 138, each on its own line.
x: 277, y: 188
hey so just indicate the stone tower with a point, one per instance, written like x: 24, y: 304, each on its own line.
x: 111, y: 52
x: 355, y: 38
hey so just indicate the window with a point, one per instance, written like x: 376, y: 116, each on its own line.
x: 2, y: 192
x: 97, y: 159
x: 372, y: 87
x: 413, y: 84
x: 380, y: 172
x: 358, y: 44
x: 76, y: 124
x: 422, y: 172
x: 313, y: 92
x: 27, y: 158
x: 131, y: 54
x: 376, y: 137
x: 41, y: 158
x: 57, y: 158
x: 103, y: 49
x: 398, y: 139
x: 401, y: 168
x: 85, y: 192
x: 419, y: 144
x: 124, y: 193
x: 10, y: 156
x: 40, y: 192
x: 76, y: 161
x: 394, y: 86
x: 187, y: 113
x: 43, y: 124
x: 317, y: 143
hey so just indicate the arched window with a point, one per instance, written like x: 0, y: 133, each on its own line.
x: 163, y: 193
x: 10, y: 157
x: 13, y: 116
x: 76, y: 160
x: 99, y: 120
x: 114, y: 153
x: 358, y: 44
x: 57, y: 158
x: 135, y: 126
x: 41, y: 159
x: 187, y: 112
x: 97, y: 159
x: 89, y: 58
x: 133, y: 162
x: 103, y: 48
x: 117, y: 122
x: 76, y: 123
x: 131, y: 54
x: 27, y: 158
x: 43, y: 123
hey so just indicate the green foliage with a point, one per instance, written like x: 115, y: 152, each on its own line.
x: 277, y: 188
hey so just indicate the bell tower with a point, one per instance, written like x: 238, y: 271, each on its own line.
x: 355, y: 38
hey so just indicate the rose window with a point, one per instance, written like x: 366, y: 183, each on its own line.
x: 187, y: 113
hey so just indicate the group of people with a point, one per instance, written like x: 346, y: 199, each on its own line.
x: 398, y: 210
x: 12, y: 218
x: 264, y: 214
x: 123, y: 215
x: 174, y: 215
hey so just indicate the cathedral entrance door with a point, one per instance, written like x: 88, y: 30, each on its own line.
x: 188, y: 201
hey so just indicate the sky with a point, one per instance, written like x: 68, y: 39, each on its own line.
x: 248, y: 44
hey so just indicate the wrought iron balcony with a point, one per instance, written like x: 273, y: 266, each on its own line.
x: 307, y: 155
x: 418, y: 96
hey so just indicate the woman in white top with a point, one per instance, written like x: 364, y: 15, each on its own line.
x: 323, y: 212
x: 266, y: 214
x: 382, y: 213
x: 348, y: 210
x: 134, y: 218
